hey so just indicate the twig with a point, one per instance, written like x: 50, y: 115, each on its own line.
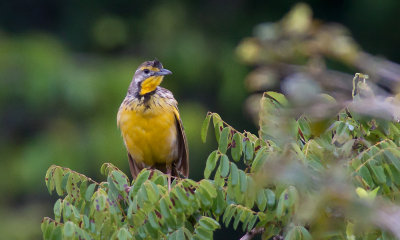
x: 252, y: 233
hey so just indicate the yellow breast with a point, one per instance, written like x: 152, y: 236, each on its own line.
x: 149, y: 132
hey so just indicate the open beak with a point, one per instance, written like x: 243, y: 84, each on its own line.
x: 163, y: 72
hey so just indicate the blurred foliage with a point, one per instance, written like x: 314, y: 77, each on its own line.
x: 303, y: 56
x: 293, y: 182
x: 65, y: 67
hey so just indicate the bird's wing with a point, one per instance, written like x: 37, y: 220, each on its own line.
x: 182, y: 163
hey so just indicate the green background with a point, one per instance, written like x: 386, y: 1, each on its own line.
x: 65, y: 68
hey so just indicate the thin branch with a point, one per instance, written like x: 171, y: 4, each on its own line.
x: 252, y: 233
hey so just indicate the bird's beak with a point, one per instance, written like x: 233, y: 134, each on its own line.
x: 163, y: 72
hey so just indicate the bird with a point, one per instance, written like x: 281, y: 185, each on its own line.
x: 151, y: 126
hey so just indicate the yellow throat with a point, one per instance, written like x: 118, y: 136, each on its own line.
x: 150, y: 84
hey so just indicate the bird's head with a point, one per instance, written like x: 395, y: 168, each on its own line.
x: 148, y: 76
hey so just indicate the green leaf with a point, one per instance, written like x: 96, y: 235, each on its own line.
x: 58, y: 209
x: 304, y: 127
x: 366, y: 175
x: 395, y: 160
x: 165, y: 212
x: 237, y: 218
x: 66, y: 210
x: 204, y: 127
x: 208, y: 223
x: 293, y: 197
x: 65, y: 180
x: 124, y: 234
x: 248, y: 151
x: 243, y: 181
x: 82, y: 189
x: 229, y: 212
x: 395, y: 175
x: 153, y: 220
x: 203, y: 233
x: 219, y: 203
x: 49, y: 229
x: 252, y: 222
x: 182, y: 197
x: 120, y: 179
x: 224, y: 166
x: 237, y: 147
x: 278, y: 97
x: 69, y: 229
x: 293, y: 234
x: 57, y: 176
x: 379, y: 173
x: 270, y: 198
x: 209, y: 187
x: 218, y: 125
x: 43, y: 227
x: 280, y: 209
x: 180, y: 234
x: 204, y: 197
x: 140, y: 179
x: 56, y: 233
x: 247, y: 216
x: 234, y: 174
x: 223, y: 140
x: 89, y: 192
x: 211, y: 163
x: 259, y: 160
x: 48, y: 179
x: 261, y: 200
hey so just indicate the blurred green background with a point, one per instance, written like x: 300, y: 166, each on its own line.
x: 65, y: 67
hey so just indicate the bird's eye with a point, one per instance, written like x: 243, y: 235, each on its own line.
x: 146, y: 71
